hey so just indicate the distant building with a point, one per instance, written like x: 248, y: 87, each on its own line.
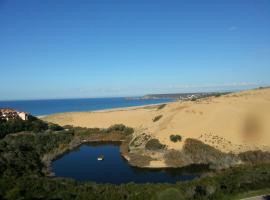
x: 8, y: 114
x: 23, y: 115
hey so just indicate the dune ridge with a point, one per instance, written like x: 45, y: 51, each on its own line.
x: 235, y: 122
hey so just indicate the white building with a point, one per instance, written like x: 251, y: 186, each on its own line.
x: 7, y: 114
x: 23, y: 115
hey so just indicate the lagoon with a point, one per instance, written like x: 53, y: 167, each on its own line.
x: 82, y: 164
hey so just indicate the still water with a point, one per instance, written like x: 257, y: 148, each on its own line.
x: 82, y: 164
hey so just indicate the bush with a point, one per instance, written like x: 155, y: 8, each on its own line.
x: 120, y: 128
x: 154, y: 144
x: 157, y: 118
x: 253, y: 157
x: 55, y: 127
x: 174, y: 158
x: 18, y: 125
x: 176, y: 138
x: 139, y: 160
x: 161, y: 106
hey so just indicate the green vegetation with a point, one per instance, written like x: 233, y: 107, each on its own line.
x: 55, y: 127
x: 120, y: 128
x: 139, y: 160
x: 32, y: 124
x: 22, y: 173
x: 157, y: 118
x: 171, y: 194
x: 175, y: 158
x: 252, y: 193
x: 154, y: 145
x: 254, y: 157
x: 161, y: 106
x: 139, y: 141
x: 195, y: 151
x: 200, y: 152
x: 176, y: 138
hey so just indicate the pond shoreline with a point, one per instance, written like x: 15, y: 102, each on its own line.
x: 48, y: 158
x: 193, y: 153
x: 76, y: 143
x: 81, y: 164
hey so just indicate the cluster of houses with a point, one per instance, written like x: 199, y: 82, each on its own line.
x: 8, y: 114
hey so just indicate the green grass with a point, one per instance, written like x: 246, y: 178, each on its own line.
x: 252, y: 193
x: 169, y: 194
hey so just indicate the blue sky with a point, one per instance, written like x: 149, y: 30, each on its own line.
x: 97, y: 48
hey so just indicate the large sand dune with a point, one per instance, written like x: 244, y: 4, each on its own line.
x: 235, y: 122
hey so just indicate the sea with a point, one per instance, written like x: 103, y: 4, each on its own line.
x: 47, y: 107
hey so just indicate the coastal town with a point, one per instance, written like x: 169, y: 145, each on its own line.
x: 7, y: 114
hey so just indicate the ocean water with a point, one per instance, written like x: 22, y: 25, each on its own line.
x: 46, y: 107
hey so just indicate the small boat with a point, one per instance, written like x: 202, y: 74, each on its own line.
x: 100, y: 157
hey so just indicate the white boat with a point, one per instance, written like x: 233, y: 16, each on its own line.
x: 100, y: 157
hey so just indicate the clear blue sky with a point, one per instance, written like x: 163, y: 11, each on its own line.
x: 96, y: 48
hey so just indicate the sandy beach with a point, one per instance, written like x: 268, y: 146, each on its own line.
x: 235, y: 122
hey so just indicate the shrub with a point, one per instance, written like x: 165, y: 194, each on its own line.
x: 139, y: 160
x: 161, y: 106
x: 157, y: 118
x: 200, y: 152
x: 17, y: 125
x: 176, y: 138
x: 174, y: 158
x: 55, y: 127
x: 253, y: 157
x: 154, y: 144
x: 120, y: 128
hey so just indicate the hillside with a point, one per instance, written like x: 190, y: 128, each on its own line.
x: 235, y: 122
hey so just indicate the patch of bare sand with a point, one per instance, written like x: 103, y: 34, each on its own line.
x: 235, y: 122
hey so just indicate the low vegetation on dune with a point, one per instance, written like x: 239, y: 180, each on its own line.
x: 255, y: 157
x: 154, y: 145
x: 196, y: 152
x: 161, y: 106
x: 120, y: 128
x: 139, y: 160
x: 138, y: 141
x: 157, y: 118
x: 176, y: 138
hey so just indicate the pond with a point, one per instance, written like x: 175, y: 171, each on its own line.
x: 82, y: 164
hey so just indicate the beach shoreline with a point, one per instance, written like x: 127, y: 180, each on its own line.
x: 125, y: 108
x: 221, y: 122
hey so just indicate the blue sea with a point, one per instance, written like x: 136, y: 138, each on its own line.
x: 46, y: 107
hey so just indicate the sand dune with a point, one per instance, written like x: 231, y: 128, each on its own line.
x: 235, y: 122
